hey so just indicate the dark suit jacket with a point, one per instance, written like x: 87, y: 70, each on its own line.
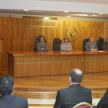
x: 103, y: 103
x: 73, y: 95
x: 88, y: 46
x: 105, y: 46
x: 10, y: 101
x: 42, y: 47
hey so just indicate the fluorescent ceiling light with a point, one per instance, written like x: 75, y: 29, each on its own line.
x: 100, y: 13
x: 68, y: 16
x: 66, y: 11
x: 79, y: 14
x: 46, y: 18
x: 94, y: 15
x: 26, y: 10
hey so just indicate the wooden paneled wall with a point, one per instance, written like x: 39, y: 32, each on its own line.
x: 20, y: 33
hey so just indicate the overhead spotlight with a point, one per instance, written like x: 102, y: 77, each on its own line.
x: 94, y: 15
x: 46, y: 18
x: 68, y: 16
x: 100, y: 13
x: 25, y: 10
x: 66, y: 11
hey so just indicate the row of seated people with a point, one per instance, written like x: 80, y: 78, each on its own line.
x: 70, y: 96
x: 66, y: 46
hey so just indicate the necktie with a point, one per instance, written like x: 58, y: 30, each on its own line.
x: 92, y: 46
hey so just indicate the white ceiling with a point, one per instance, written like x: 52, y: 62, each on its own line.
x: 80, y: 8
x: 80, y: 1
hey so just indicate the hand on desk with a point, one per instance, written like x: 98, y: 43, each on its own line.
x: 94, y: 50
x: 68, y: 50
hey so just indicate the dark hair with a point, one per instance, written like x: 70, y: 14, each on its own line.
x: 91, y: 37
x: 76, y: 75
x: 41, y: 37
x: 66, y: 38
x: 6, y: 84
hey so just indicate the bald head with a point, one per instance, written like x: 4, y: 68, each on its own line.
x: 76, y: 75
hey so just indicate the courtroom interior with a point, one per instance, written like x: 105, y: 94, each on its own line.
x: 46, y: 45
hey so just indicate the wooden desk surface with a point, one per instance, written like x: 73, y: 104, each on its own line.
x: 22, y: 64
x: 58, y: 53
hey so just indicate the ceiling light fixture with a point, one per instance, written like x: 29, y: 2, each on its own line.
x: 26, y: 10
x: 100, y: 13
x: 66, y: 11
x: 46, y: 18
x: 68, y: 16
x: 94, y: 15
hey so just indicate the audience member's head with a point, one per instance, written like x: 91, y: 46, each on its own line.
x: 66, y: 40
x: 91, y: 39
x: 6, y: 84
x: 76, y: 76
x: 42, y: 39
x: 106, y: 40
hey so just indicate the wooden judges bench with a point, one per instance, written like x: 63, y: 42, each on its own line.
x: 23, y: 64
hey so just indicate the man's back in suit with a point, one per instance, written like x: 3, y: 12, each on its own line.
x: 10, y: 101
x: 7, y: 99
x: 73, y: 95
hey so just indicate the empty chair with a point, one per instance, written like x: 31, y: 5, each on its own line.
x: 56, y: 44
x: 100, y: 42
x: 38, y: 40
x: 85, y: 41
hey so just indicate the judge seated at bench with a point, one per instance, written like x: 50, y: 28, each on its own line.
x: 66, y: 46
x: 41, y: 46
x: 91, y: 45
x: 105, y: 45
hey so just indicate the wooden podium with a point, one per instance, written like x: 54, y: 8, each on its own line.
x: 1, y: 53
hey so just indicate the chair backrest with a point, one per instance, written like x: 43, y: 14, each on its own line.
x: 67, y: 105
x: 56, y: 44
x: 100, y: 42
x: 85, y: 41
x: 38, y: 40
x: 83, y: 105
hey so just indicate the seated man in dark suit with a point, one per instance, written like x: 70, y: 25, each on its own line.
x: 103, y: 103
x: 7, y: 99
x: 105, y: 45
x: 91, y: 45
x: 75, y: 93
x: 41, y: 46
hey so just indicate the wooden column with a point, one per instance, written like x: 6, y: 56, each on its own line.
x: 1, y: 53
